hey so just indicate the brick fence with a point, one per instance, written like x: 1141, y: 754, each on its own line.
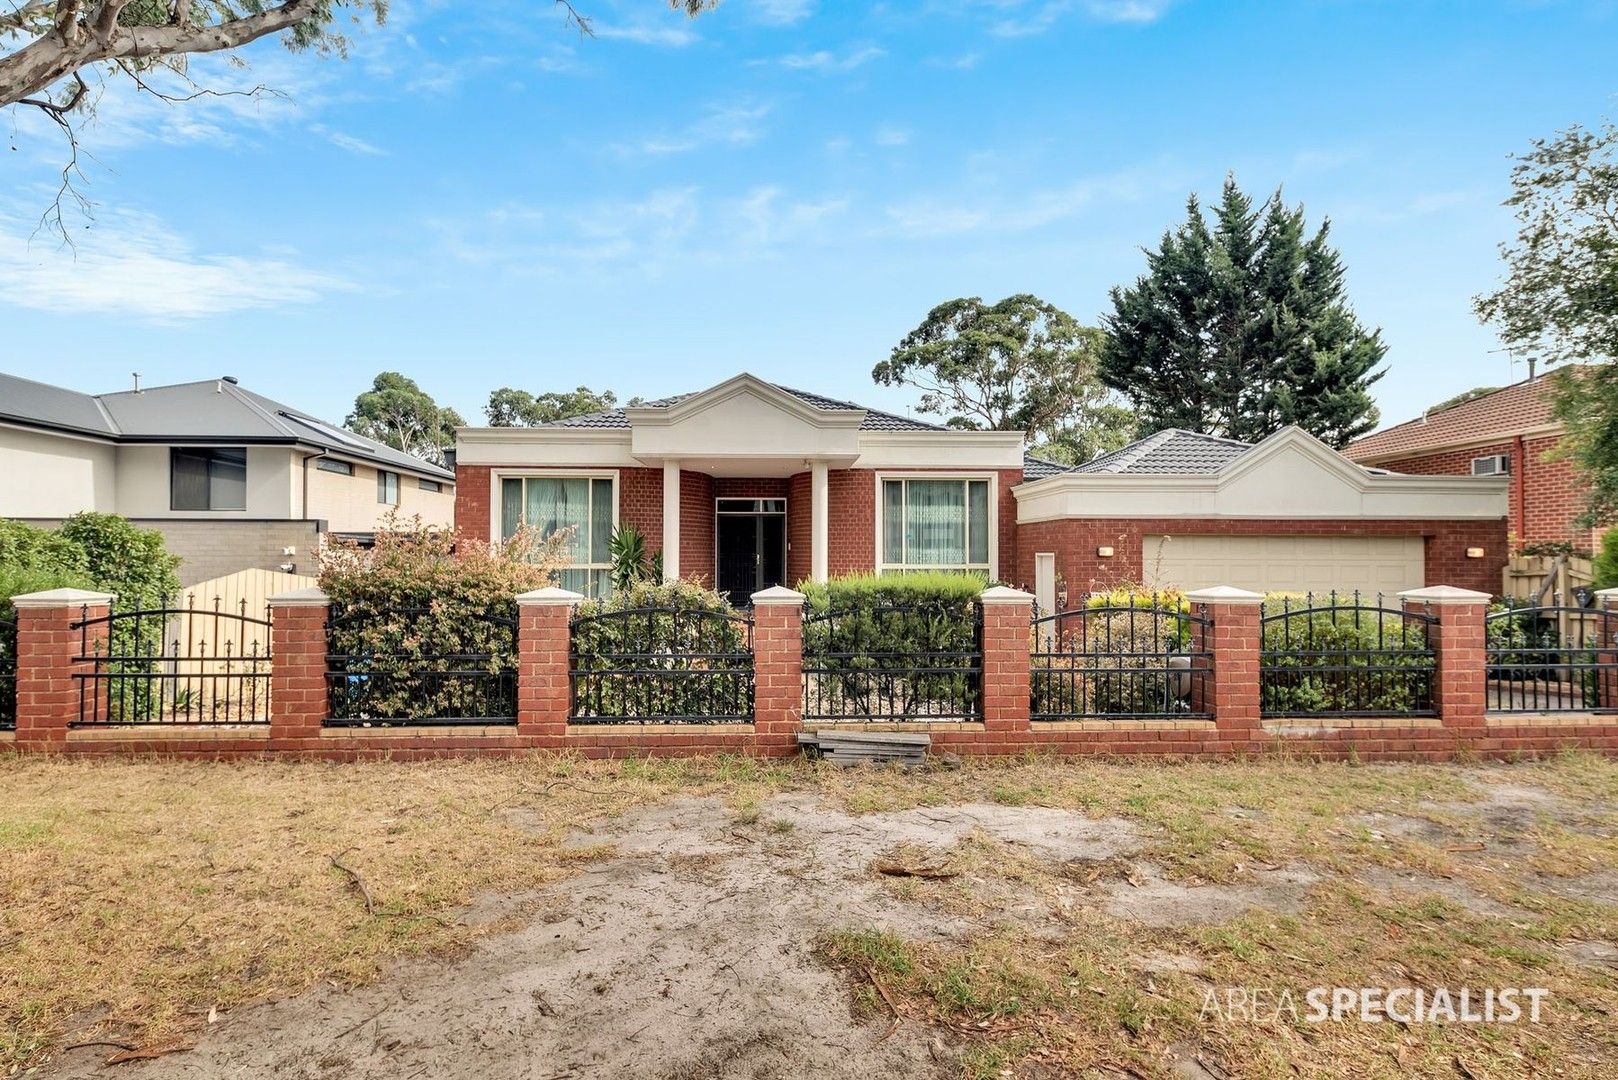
x: 49, y: 657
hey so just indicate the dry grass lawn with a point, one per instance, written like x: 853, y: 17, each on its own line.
x: 137, y: 897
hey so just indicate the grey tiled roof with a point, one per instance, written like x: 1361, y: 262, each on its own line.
x: 211, y: 410
x: 1037, y: 468
x: 1170, y: 451
x: 875, y: 419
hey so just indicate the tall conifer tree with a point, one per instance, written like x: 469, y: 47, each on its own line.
x: 1241, y: 326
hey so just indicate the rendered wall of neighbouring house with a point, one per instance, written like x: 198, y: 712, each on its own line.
x: 349, y: 503
x: 48, y: 476
x: 272, y: 485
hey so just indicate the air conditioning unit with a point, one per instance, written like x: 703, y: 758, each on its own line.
x: 1491, y: 465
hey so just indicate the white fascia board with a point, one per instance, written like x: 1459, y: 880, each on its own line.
x: 589, y: 447
x: 1112, y: 495
x: 940, y: 450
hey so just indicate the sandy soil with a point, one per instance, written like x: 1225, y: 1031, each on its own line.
x: 687, y: 950
x: 686, y: 953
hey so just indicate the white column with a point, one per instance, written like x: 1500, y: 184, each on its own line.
x: 818, y: 547
x: 671, y: 521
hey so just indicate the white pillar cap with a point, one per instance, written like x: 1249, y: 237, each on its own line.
x: 310, y: 597
x: 1607, y: 594
x: 778, y: 594
x: 62, y: 598
x: 1440, y: 595
x: 550, y: 596
x: 1001, y: 594
x: 1225, y: 594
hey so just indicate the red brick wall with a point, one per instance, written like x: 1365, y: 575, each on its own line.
x: 852, y: 498
x: 800, y: 533
x: 1546, y: 495
x: 1074, y: 541
x: 742, y: 487
x: 697, y: 527
x: 640, y: 500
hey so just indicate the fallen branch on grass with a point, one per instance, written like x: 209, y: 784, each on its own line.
x: 932, y: 873
x: 354, y: 876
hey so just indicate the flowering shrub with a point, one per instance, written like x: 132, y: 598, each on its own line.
x: 423, y: 624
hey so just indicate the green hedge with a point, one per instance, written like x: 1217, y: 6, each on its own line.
x: 880, y: 630
x: 662, y: 651
x: 1113, y: 663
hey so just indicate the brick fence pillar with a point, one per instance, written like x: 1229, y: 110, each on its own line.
x: 1233, y: 639
x: 1461, y: 684
x: 544, y: 697
x: 48, y: 648
x: 1606, y: 633
x: 1007, y: 627
x: 777, y: 669
x: 299, y: 698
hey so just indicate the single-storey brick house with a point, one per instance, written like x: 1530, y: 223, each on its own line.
x: 749, y: 484
x: 1509, y: 432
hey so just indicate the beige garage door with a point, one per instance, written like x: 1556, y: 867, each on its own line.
x: 1383, y: 564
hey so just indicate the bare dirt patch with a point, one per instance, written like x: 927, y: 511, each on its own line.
x: 687, y: 952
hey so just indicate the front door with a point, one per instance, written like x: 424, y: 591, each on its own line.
x: 751, y: 547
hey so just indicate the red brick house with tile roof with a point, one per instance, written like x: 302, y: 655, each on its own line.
x: 1510, y: 430
x: 749, y: 484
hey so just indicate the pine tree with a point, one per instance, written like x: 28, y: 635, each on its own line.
x: 1242, y: 327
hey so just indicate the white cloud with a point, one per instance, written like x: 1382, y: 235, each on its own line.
x: 1029, y: 20
x: 646, y: 34
x: 892, y: 136
x: 936, y: 216
x: 352, y: 143
x: 828, y: 61
x: 770, y: 219
x: 780, y: 12
x: 729, y: 125
x: 129, y: 264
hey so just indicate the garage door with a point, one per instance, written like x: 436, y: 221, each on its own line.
x: 1371, y: 564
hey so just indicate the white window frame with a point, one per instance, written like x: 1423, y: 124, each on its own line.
x: 497, y: 478
x: 993, y: 567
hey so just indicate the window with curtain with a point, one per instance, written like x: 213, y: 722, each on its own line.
x: 387, y: 487
x: 583, y: 504
x: 935, y: 525
x: 208, y: 478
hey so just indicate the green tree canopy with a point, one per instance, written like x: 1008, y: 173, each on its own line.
x: 1241, y: 326
x: 518, y: 408
x: 1559, y: 300
x: 401, y: 414
x: 1462, y: 398
x: 1019, y: 365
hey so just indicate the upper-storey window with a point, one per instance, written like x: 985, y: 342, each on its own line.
x: 208, y: 478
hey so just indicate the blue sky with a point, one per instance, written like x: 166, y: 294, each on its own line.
x: 482, y: 198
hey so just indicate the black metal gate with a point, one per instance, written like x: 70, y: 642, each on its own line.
x: 917, y: 661
x: 173, y: 665
x: 661, y: 665
x: 1552, y: 659
x: 1346, y: 656
x: 8, y: 675
x: 1129, y: 661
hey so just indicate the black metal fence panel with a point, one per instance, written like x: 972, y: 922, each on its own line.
x: 418, y: 666
x: 173, y: 665
x: 661, y: 665
x: 1551, y: 660
x: 8, y: 675
x: 914, y: 661
x: 1345, y: 656
x: 1103, y: 660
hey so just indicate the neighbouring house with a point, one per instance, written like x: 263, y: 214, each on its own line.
x: 1509, y: 433
x: 233, y: 480
x: 749, y: 484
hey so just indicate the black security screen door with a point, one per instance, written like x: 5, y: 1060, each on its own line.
x: 752, y: 546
